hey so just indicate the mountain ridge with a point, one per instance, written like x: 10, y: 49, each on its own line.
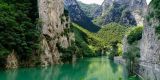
x: 78, y: 16
x: 128, y: 12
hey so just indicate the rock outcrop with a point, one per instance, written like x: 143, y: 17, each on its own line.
x: 55, y: 30
x: 150, y: 45
x: 11, y: 61
x: 78, y: 16
x: 128, y: 12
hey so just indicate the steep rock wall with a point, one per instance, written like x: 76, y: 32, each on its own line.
x: 55, y: 30
x: 150, y: 48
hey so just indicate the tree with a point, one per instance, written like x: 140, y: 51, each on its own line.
x: 135, y: 34
x: 131, y: 56
x: 18, y: 27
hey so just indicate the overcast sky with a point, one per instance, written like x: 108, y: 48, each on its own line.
x: 98, y: 1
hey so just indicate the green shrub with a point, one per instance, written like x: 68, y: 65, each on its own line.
x: 155, y: 10
x: 158, y: 29
x: 119, y: 49
x: 155, y: 4
x: 135, y: 34
x: 114, y: 50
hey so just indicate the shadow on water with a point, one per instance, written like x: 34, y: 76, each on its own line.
x: 83, y: 69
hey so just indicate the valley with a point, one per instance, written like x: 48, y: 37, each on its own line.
x: 72, y: 40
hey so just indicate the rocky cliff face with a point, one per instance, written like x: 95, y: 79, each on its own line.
x: 78, y: 16
x: 150, y: 45
x: 103, y: 8
x: 128, y: 12
x: 55, y: 30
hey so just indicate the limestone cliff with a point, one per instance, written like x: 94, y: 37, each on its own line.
x: 55, y: 30
x: 150, y: 44
x: 128, y: 12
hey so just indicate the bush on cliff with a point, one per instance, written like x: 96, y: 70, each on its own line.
x: 135, y: 34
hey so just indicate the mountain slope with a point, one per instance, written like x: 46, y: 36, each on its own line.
x: 101, y: 42
x: 128, y: 12
x: 78, y: 16
x: 88, y: 9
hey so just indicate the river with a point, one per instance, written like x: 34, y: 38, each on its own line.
x: 99, y: 68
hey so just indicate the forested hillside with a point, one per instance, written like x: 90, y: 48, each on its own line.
x: 101, y: 43
x: 19, y: 30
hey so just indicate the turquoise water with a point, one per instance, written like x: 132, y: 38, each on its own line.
x: 84, y: 69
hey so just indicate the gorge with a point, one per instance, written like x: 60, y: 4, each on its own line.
x: 55, y: 38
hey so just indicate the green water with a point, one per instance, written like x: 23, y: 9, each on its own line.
x: 83, y: 69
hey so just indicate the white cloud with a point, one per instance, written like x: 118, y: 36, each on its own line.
x: 92, y: 1
x: 148, y: 1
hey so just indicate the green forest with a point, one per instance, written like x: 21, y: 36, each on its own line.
x: 19, y: 29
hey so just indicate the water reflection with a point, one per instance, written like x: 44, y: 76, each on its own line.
x: 84, y: 69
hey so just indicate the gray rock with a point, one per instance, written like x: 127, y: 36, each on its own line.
x: 128, y: 12
x: 150, y: 50
x: 54, y: 23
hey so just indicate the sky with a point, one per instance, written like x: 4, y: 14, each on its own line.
x: 99, y: 1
